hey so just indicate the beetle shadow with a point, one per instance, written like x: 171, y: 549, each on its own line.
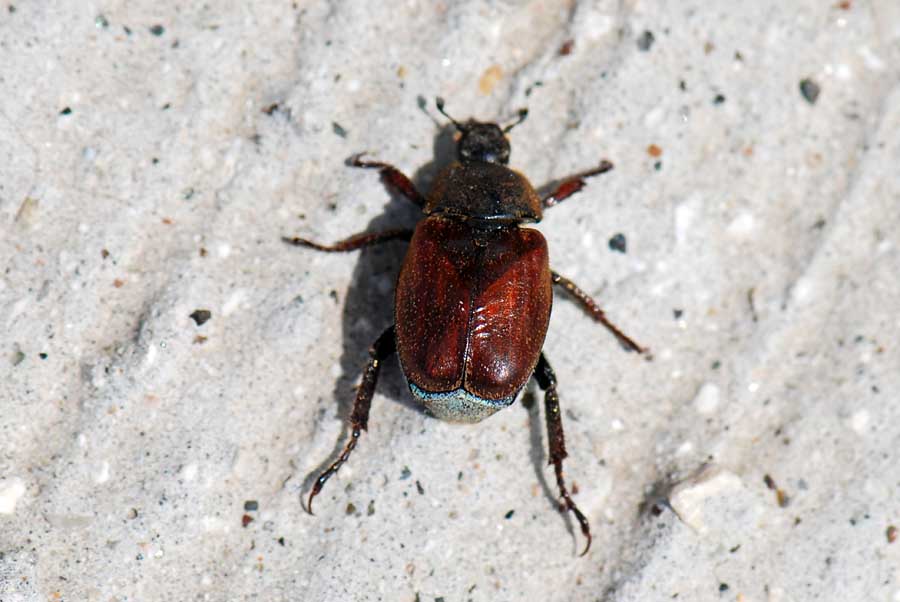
x: 369, y: 301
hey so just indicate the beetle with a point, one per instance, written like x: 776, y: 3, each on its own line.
x: 473, y: 298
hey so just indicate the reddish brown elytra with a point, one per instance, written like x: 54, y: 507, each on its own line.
x: 473, y: 299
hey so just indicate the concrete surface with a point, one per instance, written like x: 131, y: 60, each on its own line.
x: 153, y: 154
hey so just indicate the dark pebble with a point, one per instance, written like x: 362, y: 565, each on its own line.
x: 645, y: 41
x: 201, y: 316
x: 618, y: 243
x: 338, y: 129
x: 810, y: 90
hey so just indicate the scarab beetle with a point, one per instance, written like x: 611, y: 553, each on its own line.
x: 473, y: 299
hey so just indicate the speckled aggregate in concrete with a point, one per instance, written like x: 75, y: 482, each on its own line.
x: 153, y: 154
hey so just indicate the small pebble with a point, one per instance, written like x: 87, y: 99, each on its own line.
x: 201, y: 316
x: 810, y: 90
x: 618, y: 243
x: 338, y: 129
x: 707, y: 399
x: 645, y: 41
x: 11, y: 491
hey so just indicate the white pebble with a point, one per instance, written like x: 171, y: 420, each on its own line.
x: 152, y: 352
x: 871, y: 60
x: 859, y: 421
x: 707, y: 399
x: 689, y: 498
x: 685, y: 449
x: 803, y: 291
x: 102, y: 475
x: 843, y: 72
x: 233, y: 301
x: 11, y: 490
x: 654, y: 117
x: 189, y: 472
x: 742, y: 226
x: 684, y: 218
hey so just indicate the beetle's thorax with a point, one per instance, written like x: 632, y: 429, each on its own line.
x: 483, y: 192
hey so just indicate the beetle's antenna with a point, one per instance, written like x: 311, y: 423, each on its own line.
x: 423, y: 106
x: 523, y: 113
x: 440, y: 107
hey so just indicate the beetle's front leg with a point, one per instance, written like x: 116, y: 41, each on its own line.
x: 383, y: 347
x: 546, y: 380
x: 391, y: 176
x: 357, y: 241
x: 592, y: 308
x: 572, y: 184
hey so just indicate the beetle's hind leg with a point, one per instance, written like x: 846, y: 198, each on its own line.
x: 383, y: 347
x: 572, y: 184
x: 357, y: 241
x: 546, y: 380
x: 391, y: 176
x: 598, y: 314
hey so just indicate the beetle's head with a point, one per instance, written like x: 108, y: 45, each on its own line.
x: 482, y: 141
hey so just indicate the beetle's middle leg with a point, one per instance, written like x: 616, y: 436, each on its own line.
x: 383, y: 347
x: 357, y: 241
x: 598, y: 314
x: 391, y: 176
x: 546, y: 380
x: 572, y: 184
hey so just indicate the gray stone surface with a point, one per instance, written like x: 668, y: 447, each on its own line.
x: 146, y: 173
